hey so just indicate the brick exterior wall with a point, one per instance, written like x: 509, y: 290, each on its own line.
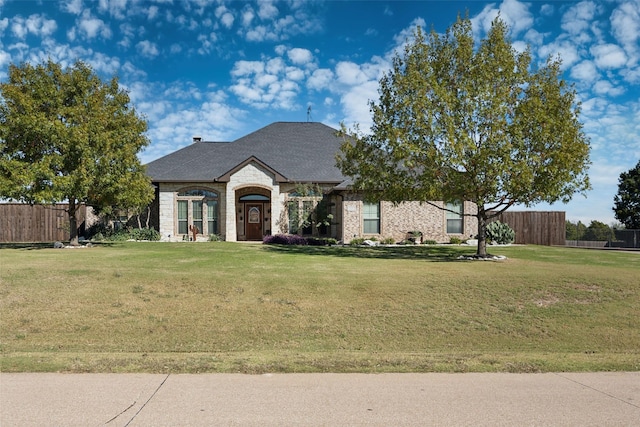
x: 396, y: 221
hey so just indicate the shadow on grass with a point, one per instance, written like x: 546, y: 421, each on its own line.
x: 423, y: 252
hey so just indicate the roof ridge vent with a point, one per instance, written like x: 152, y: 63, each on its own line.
x: 197, y: 139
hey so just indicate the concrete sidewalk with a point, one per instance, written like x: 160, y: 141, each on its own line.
x: 562, y: 399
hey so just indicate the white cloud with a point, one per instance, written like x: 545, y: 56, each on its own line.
x: 267, y: 11
x: 275, y: 24
x: 90, y: 27
x: 152, y: 12
x: 73, y: 6
x: 225, y: 16
x: 116, y: 8
x: 514, y: 13
x: 578, y: 17
x: 608, y: 56
x: 625, y: 25
x: 267, y: 83
x: 147, y: 49
x: 585, y: 71
x: 243, y: 68
x: 355, y: 104
x: 320, y: 79
x: 567, y: 51
x: 36, y: 24
x: 350, y: 73
x: 605, y: 88
x: 5, y: 59
x: 247, y: 16
x: 300, y: 56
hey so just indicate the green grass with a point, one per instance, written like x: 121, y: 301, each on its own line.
x: 228, y: 307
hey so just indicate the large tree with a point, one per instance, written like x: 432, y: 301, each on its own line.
x: 67, y: 136
x: 627, y: 201
x: 456, y: 121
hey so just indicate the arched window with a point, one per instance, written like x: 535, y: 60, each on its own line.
x: 197, y: 207
x: 254, y: 198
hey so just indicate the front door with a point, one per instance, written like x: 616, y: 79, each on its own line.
x: 253, y: 221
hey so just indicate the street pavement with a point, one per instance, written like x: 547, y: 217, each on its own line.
x: 551, y: 399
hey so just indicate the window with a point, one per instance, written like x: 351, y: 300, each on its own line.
x: 197, y: 215
x: 308, y: 207
x: 193, y: 207
x: 454, y: 217
x: 212, y: 217
x: 183, y: 217
x: 371, y: 218
x: 293, y: 212
x: 308, y: 212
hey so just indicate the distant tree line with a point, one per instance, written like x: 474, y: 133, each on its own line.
x: 595, y: 231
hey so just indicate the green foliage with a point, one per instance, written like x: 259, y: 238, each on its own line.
x: 357, y: 241
x: 460, y: 122
x: 388, y: 241
x: 430, y: 242
x: 67, y: 136
x: 314, y: 214
x: 455, y: 240
x: 215, y: 238
x: 101, y: 232
x: 575, y: 231
x: 500, y: 233
x: 599, y: 231
x: 627, y: 201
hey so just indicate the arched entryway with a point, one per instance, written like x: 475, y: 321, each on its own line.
x: 253, y: 217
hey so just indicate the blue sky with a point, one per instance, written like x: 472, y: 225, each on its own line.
x: 220, y: 69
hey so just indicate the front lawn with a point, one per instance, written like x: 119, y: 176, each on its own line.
x: 231, y: 307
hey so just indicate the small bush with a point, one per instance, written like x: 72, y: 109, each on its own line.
x: 215, y: 238
x: 284, y: 239
x: 357, y: 241
x: 388, y: 241
x: 500, y: 233
x: 430, y: 242
x: 322, y: 241
x: 144, y: 234
x: 455, y: 240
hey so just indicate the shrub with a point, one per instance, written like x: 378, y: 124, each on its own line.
x: 388, y: 241
x: 357, y: 241
x: 500, y: 233
x: 144, y: 234
x: 322, y: 241
x: 455, y: 240
x: 430, y: 242
x: 284, y: 239
x: 215, y: 238
x: 99, y: 233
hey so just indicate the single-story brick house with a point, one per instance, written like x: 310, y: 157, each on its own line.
x: 283, y: 179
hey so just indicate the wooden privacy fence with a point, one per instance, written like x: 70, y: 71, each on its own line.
x: 37, y: 223
x: 536, y: 227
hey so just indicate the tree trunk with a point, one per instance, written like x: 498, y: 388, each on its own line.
x: 73, y: 223
x: 482, y: 230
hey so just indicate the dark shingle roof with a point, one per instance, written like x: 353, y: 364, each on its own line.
x: 299, y: 152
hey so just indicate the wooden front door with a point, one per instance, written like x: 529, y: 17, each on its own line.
x: 254, y: 219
